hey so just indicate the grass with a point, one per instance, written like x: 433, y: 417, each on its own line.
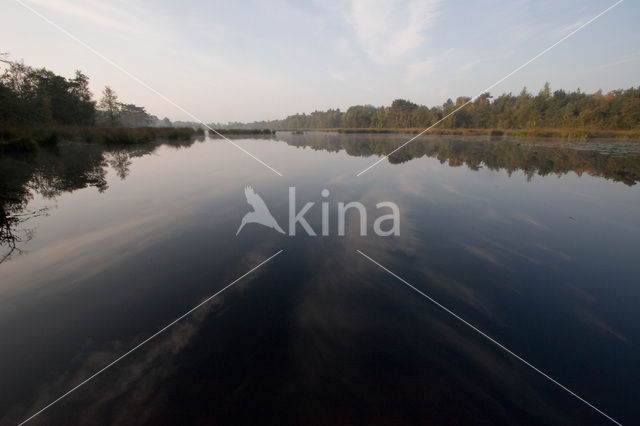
x: 26, y: 139
x: 242, y: 132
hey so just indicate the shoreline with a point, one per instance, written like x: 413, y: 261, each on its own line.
x: 18, y: 139
x: 24, y: 139
x: 572, y: 133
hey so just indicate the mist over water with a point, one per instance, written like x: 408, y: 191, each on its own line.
x: 533, y: 242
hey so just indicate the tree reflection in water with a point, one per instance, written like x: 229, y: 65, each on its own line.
x: 50, y: 172
x: 69, y: 167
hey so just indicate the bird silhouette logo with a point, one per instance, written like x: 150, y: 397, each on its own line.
x: 260, y: 213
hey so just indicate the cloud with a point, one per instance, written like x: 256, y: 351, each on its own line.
x: 419, y: 71
x: 534, y: 222
x: 468, y: 66
x: 105, y: 14
x: 592, y: 319
x: 482, y: 254
x: 568, y: 28
x: 386, y: 30
x: 338, y: 75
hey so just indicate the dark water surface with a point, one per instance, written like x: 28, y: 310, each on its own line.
x: 535, y: 243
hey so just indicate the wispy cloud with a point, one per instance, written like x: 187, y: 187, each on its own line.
x: 245, y: 61
x: 106, y: 14
x: 387, y: 30
x: 420, y: 71
x: 469, y: 65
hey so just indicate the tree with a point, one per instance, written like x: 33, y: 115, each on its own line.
x: 481, y: 111
x: 29, y: 95
x: 462, y: 118
x: 85, y: 107
x: 447, y: 108
x: 134, y: 116
x: 359, y: 116
x: 401, y: 112
x: 109, y: 103
x: 422, y: 117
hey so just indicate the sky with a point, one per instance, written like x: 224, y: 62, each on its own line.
x: 258, y: 60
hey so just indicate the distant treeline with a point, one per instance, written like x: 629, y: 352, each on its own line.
x: 38, y: 96
x: 616, y: 110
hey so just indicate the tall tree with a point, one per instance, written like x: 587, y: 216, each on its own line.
x: 109, y: 103
x: 84, y: 105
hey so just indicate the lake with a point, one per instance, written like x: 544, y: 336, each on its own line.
x: 534, y: 242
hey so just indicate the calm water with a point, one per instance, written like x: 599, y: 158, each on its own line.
x: 536, y: 244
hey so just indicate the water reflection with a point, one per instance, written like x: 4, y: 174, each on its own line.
x: 611, y: 159
x: 73, y: 166
x: 51, y: 172
x: 138, y: 235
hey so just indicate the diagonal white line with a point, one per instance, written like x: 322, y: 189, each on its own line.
x: 492, y: 86
x: 147, y: 340
x: 123, y: 70
x: 491, y: 339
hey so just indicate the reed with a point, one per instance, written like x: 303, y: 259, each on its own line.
x: 16, y: 139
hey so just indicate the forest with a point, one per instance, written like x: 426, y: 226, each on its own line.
x: 39, y: 96
x: 31, y: 97
x: 618, y: 110
x: 39, y: 108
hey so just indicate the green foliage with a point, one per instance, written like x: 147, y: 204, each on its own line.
x: 111, y: 107
x: 617, y: 110
x: 27, y: 139
x: 29, y: 95
x: 238, y: 132
x: 179, y: 134
x: 138, y: 135
x: 134, y: 116
x: 40, y: 108
x: 359, y: 116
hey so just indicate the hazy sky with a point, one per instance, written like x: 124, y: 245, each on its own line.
x: 245, y: 60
